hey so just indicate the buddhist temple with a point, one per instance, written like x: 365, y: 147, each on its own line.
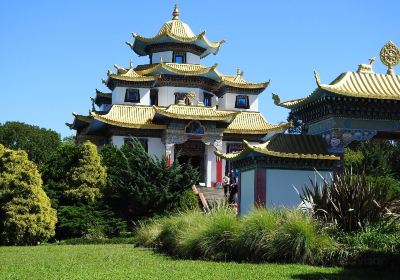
x: 175, y: 105
x: 356, y: 106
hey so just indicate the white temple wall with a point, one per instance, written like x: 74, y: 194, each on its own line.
x: 229, y: 99
x: 118, y: 96
x: 192, y: 58
x: 166, y: 57
x: 211, y: 165
x: 166, y: 95
x: 155, y: 146
x: 246, y: 192
x: 281, y: 182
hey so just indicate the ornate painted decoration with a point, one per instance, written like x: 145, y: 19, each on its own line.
x: 194, y: 128
x: 390, y: 56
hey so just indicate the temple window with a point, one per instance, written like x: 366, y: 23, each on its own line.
x: 132, y: 95
x: 181, y: 96
x: 179, y: 57
x: 154, y: 97
x: 242, y: 102
x: 207, y: 99
x: 143, y: 142
x: 194, y: 127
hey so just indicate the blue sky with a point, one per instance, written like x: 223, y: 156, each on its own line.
x: 53, y: 54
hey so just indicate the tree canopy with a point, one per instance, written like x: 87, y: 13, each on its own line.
x: 38, y: 142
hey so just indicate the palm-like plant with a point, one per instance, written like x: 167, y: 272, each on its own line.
x: 350, y: 201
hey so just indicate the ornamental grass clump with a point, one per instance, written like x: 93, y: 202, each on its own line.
x: 298, y: 240
x: 218, y: 238
x: 351, y: 201
x: 173, y: 230
x: 256, y: 233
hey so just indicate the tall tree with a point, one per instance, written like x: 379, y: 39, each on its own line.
x: 140, y: 185
x: 38, y: 142
x: 26, y: 216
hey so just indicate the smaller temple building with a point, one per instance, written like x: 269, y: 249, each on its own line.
x: 271, y: 172
x: 356, y: 106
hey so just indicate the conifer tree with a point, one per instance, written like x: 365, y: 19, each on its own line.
x: 86, y: 178
x: 26, y: 216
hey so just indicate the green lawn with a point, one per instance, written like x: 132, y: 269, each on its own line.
x: 127, y: 262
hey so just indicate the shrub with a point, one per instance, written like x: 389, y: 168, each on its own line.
x: 139, y: 185
x: 256, y: 233
x: 350, y: 201
x: 26, y: 216
x: 188, y: 200
x: 297, y: 240
x: 88, y: 221
x: 147, y: 233
x: 85, y: 179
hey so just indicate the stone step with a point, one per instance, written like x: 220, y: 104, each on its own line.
x: 212, y: 195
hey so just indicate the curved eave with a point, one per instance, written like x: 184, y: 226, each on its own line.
x: 179, y: 69
x: 195, y: 113
x: 79, y: 121
x: 146, y: 124
x: 272, y: 128
x: 131, y: 79
x: 263, y: 150
x: 247, y: 85
x: 140, y: 43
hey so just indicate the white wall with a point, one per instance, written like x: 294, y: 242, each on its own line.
x: 280, y: 191
x: 246, y: 192
x: 192, y: 58
x: 166, y: 95
x: 118, y: 96
x: 166, y: 57
x: 155, y: 146
x: 229, y: 99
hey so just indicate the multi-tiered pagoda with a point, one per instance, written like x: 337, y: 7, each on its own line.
x: 176, y: 106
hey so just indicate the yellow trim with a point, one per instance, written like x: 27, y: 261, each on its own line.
x: 263, y: 149
x: 253, y: 123
x: 238, y: 81
x: 178, y: 68
x: 196, y: 113
x: 129, y: 117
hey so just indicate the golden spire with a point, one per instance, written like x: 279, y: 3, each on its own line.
x: 390, y: 56
x: 175, y: 13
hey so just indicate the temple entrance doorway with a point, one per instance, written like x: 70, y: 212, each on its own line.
x: 192, y: 151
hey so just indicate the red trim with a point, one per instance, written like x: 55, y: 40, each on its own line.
x: 168, y: 160
x: 260, y: 179
x: 219, y: 170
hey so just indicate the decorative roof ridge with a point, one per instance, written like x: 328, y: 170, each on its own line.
x: 175, y: 68
x: 263, y: 149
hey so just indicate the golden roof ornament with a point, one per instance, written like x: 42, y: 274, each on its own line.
x: 390, y: 56
x: 191, y: 96
x: 175, y: 13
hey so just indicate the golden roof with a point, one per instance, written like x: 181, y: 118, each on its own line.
x: 175, y: 30
x: 363, y: 83
x: 286, y: 146
x: 177, y: 68
x: 187, y: 112
x: 129, y: 117
x: 252, y: 123
x: 238, y: 81
x: 129, y: 75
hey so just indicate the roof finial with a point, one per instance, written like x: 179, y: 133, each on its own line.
x: 130, y: 64
x: 175, y: 13
x: 390, y: 56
